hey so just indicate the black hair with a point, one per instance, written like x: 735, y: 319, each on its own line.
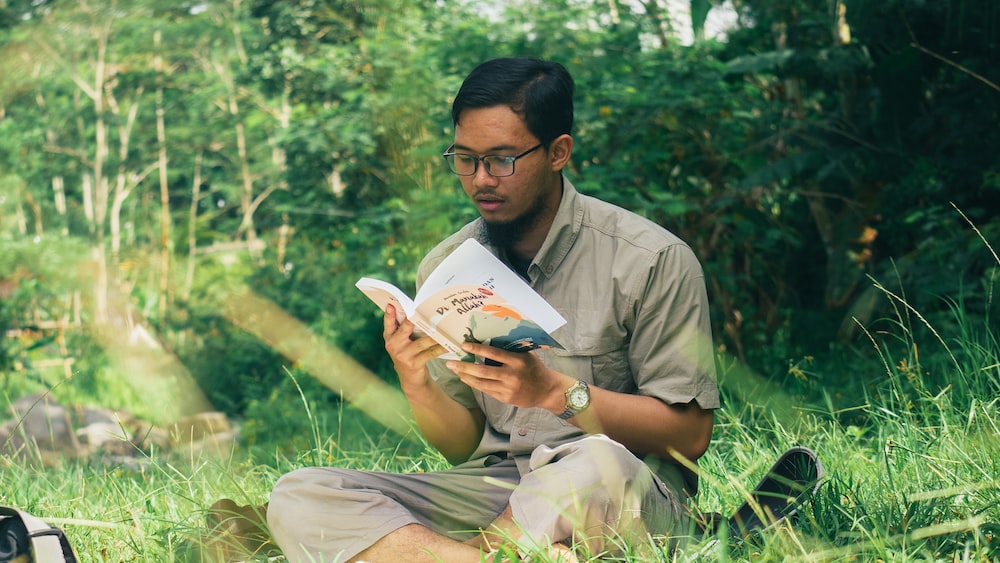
x: 541, y: 92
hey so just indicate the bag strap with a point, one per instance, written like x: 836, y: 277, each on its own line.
x: 48, y: 544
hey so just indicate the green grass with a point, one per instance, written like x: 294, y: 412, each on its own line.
x: 908, y: 431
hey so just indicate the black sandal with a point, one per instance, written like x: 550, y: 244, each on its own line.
x: 789, y: 484
x: 785, y: 488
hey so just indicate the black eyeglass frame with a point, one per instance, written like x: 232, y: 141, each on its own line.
x: 450, y: 152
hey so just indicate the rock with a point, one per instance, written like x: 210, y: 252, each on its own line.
x: 11, y: 442
x: 198, y: 426
x: 42, y: 426
x: 215, y: 445
x: 86, y: 416
x: 149, y: 438
x: 43, y: 430
x: 95, y: 435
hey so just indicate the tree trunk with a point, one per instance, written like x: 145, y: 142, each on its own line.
x: 99, y: 181
x: 165, y: 227
x: 193, y: 226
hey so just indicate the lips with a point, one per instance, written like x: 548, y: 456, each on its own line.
x: 488, y: 202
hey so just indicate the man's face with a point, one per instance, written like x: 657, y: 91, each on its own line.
x: 531, y: 195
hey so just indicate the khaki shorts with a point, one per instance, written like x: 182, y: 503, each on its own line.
x: 580, y: 491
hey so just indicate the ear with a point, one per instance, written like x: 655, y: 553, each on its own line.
x: 560, y: 151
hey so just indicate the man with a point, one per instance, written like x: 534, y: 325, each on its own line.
x: 550, y: 445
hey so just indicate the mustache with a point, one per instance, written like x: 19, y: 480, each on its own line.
x: 486, y: 193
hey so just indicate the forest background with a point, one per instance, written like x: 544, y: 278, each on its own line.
x: 190, y: 189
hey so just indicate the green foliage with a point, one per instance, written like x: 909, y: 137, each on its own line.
x: 867, y: 133
x: 231, y: 380
x: 35, y: 276
x: 800, y: 165
x: 908, y: 467
x: 835, y: 190
x: 283, y: 421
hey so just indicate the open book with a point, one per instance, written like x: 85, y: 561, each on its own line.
x: 473, y: 297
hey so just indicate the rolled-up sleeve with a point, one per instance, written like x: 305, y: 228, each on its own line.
x: 671, y: 346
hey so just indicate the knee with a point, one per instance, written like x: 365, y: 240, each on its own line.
x: 609, y: 465
x: 595, y: 469
x: 289, y: 486
x: 584, y: 489
x: 284, y: 497
x: 295, y: 491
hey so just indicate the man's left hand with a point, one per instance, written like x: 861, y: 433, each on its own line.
x: 520, y: 379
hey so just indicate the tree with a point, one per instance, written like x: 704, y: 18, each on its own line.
x: 878, y: 131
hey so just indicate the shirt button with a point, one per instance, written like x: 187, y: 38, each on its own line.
x: 522, y: 432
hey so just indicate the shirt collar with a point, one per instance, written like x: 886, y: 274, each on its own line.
x: 563, y: 232
x: 560, y: 238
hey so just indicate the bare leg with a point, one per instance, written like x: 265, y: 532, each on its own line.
x: 500, y: 532
x: 415, y: 543
x: 504, y: 529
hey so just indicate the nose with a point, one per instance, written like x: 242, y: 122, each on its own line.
x: 482, y: 178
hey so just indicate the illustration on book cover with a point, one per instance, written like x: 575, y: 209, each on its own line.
x: 472, y: 297
x: 482, y: 317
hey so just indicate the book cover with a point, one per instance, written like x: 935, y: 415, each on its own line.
x: 473, y: 297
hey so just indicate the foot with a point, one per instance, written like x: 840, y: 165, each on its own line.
x: 559, y: 553
x: 237, y: 531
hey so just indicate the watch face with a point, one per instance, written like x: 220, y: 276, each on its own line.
x: 579, y: 397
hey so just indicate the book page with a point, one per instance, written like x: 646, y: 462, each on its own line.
x: 473, y: 264
x: 384, y: 294
x: 472, y: 296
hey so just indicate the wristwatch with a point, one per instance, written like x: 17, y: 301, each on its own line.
x: 577, y: 399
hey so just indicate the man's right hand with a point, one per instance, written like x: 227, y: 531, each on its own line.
x: 409, y: 353
x: 448, y: 425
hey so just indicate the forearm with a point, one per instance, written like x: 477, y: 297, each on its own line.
x: 446, y: 424
x: 643, y: 424
x: 646, y: 425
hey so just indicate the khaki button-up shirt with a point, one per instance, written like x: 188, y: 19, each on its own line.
x: 634, y: 298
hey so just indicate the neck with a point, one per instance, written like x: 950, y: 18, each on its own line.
x: 528, y: 245
x: 524, y: 238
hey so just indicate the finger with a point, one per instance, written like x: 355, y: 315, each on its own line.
x: 485, y: 380
x: 399, y: 336
x: 403, y: 342
x: 430, y: 347
x: 496, y: 355
x: 465, y: 370
x: 467, y: 378
x: 390, y: 320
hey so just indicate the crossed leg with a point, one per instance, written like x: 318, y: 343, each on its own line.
x: 580, y: 492
x: 420, y: 544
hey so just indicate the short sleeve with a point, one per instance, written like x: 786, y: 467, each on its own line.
x: 671, y: 349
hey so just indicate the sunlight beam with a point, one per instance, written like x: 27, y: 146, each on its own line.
x: 328, y: 364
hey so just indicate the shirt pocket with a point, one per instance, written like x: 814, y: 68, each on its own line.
x: 596, y: 351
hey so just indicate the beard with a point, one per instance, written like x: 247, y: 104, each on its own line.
x: 505, y: 234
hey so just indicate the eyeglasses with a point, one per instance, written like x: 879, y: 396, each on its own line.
x: 496, y: 165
